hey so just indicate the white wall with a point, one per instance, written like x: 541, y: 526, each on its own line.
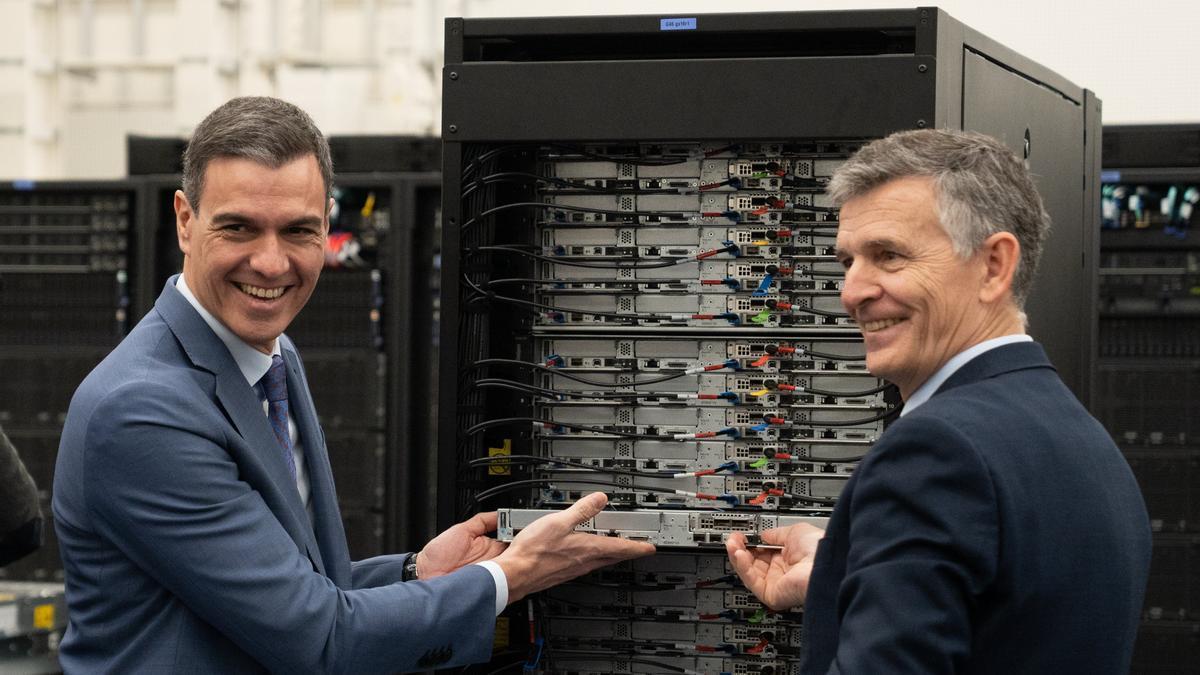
x: 77, y: 75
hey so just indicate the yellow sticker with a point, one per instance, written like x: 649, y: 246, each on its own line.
x: 500, y: 638
x: 43, y: 617
x: 500, y: 468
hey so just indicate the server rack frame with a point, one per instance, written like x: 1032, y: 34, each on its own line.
x: 529, y: 79
x: 1158, y: 154
x: 38, y: 437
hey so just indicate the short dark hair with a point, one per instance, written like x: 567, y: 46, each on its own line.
x: 982, y: 188
x: 260, y: 128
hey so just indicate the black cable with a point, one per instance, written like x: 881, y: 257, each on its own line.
x: 848, y: 423
x: 834, y: 357
x: 628, y: 282
x: 513, y: 485
x: 509, y: 176
x: 820, y: 312
x: 575, y: 378
x: 489, y: 295
x: 846, y: 394
x: 488, y: 424
x: 534, y: 459
x: 616, y: 265
x: 565, y: 207
x: 509, y: 487
x: 552, y: 394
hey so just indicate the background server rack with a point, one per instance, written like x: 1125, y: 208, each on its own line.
x: 67, y: 264
x: 639, y: 294
x: 1148, y: 372
x: 82, y: 262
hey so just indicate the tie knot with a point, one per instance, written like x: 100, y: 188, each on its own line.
x: 275, y: 381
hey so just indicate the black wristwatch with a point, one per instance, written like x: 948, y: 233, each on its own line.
x: 410, y: 568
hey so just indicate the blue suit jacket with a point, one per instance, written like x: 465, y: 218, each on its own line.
x: 186, y: 546
x: 995, y: 529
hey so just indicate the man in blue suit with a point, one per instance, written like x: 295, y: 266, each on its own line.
x: 193, y: 496
x: 994, y: 528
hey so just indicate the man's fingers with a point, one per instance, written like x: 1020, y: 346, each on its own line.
x: 586, y: 508
x: 743, y: 564
x: 611, y: 547
x: 775, y: 536
x: 484, y: 523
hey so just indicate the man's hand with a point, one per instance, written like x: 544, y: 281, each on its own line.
x: 779, y: 577
x: 550, y: 551
x: 465, y: 543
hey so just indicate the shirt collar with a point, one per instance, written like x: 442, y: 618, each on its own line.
x: 939, y: 378
x: 253, y: 363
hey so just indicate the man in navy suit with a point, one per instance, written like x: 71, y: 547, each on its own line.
x: 193, y: 496
x: 994, y: 528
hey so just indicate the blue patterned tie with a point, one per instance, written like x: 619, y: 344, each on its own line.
x: 274, y: 384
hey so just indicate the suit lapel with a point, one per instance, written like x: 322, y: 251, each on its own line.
x: 331, y: 537
x: 243, y: 409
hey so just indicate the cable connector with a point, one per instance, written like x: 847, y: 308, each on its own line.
x: 555, y: 361
x: 732, y: 432
x: 765, y: 285
x: 731, y: 364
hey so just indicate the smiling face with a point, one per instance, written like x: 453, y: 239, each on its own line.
x: 917, y: 303
x: 253, y: 249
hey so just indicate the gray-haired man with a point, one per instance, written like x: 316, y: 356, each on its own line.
x: 994, y: 528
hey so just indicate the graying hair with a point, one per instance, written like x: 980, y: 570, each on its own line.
x: 981, y: 186
x: 259, y: 128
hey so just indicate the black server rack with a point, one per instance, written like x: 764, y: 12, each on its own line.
x: 1148, y: 370
x: 67, y: 269
x: 639, y: 294
x: 366, y: 338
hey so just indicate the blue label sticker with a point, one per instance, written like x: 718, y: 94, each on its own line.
x: 677, y: 24
x: 23, y: 185
x: 1110, y: 176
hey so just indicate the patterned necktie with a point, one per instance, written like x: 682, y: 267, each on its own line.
x: 274, y: 384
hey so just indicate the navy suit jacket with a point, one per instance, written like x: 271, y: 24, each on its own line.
x: 995, y: 529
x: 186, y: 546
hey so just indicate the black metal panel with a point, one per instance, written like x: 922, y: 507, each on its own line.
x: 148, y: 155
x: 1006, y: 105
x: 1152, y: 146
x: 379, y: 154
x: 709, y: 26
x: 668, y: 100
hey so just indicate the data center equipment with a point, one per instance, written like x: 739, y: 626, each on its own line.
x: 82, y: 262
x: 640, y: 293
x: 68, y: 253
x: 1148, y: 371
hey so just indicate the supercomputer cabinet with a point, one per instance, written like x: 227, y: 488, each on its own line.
x: 1148, y: 370
x: 67, y: 267
x: 366, y: 338
x: 639, y: 293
